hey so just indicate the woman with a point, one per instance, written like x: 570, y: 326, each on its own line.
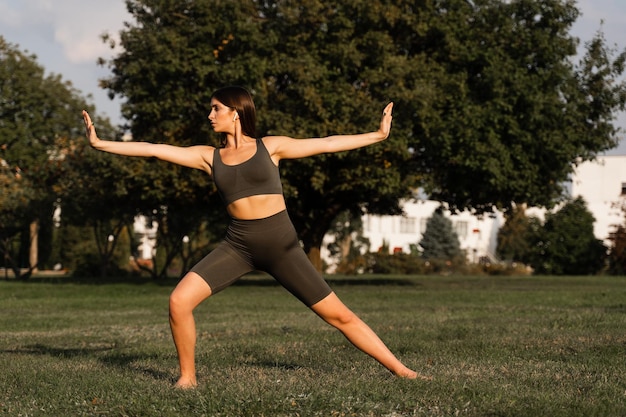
x: 260, y: 235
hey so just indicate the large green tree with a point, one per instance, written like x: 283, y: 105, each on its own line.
x: 512, y: 114
x: 489, y: 108
x: 203, y: 45
x: 37, y: 112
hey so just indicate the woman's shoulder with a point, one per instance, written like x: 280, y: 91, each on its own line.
x: 207, y: 152
x: 273, y: 142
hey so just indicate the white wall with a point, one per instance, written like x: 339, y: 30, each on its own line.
x: 477, y: 235
x: 146, y: 232
x: 602, y: 184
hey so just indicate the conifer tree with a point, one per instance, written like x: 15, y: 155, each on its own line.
x: 440, y: 241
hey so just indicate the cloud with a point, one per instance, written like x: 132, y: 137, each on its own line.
x: 8, y: 16
x: 80, y: 35
x: 75, y: 25
x: 82, y: 45
x: 65, y: 35
x: 609, y: 16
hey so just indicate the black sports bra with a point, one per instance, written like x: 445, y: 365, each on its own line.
x: 255, y: 176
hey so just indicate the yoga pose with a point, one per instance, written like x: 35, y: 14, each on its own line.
x: 260, y: 235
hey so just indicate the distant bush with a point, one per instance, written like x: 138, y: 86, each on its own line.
x: 397, y: 263
x: 402, y: 263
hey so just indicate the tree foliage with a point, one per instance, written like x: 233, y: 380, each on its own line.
x: 15, y: 194
x: 489, y: 110
x: 97, y: 191
x: 616, y: 264
x: 617, y: 253
x: 516, y: 236
x: 37, y: 113
x: 512, y: 115
x: 289, y: 55
x: 566, y: 244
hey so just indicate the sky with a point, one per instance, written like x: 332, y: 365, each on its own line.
x: 65, y: 35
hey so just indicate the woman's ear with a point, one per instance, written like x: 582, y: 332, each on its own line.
x: 235, y: 117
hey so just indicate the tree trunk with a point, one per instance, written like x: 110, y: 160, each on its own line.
x: 312, y: 235
x: 33, y: 253
x: 315, y: 257
x: 345, y: 244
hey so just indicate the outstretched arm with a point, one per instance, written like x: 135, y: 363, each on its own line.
x: 282, y: 147
x: 198, y: 157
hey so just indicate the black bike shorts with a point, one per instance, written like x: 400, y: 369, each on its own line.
x: 269, y: 245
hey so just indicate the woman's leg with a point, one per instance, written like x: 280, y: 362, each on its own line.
x: 189, y: 292
x: 335, y: 313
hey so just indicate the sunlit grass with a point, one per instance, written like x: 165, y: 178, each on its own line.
x: 521, y: 346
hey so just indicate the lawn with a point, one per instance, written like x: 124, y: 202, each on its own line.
x: 495, y: 346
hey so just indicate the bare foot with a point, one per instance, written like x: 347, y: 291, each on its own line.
x: 186, y: 383
x: 409, y: 374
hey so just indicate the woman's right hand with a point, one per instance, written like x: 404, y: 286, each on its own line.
x: 385, y: 121
x: 90, y: 129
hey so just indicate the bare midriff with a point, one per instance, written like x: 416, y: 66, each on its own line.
x: 256, y: 206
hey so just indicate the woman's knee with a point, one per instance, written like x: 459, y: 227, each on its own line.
x: 179, y: 303
x: 189, y: 292
x: 345, y: 317
x: 334, y: 312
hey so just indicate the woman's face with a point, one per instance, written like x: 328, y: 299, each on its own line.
x: 222, y: 118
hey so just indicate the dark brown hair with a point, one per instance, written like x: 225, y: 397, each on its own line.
x: 239, y: 99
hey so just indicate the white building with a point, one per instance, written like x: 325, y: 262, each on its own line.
x: 477, y: 234
x: 601, y: 183
x: 146, y: 232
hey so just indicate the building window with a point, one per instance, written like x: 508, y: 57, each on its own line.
x: 460, y: 228
x: 623, y: 189
x: 407, y: 225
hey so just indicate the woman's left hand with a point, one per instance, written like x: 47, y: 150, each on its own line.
x: 385, y: 122
x: 90, y: 129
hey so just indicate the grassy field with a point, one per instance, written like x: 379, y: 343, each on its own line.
x: 495, y: 346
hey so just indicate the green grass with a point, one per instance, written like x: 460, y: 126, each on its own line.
x: 505, y: 346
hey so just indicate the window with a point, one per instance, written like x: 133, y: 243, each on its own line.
x: 407, y: 225
x: 623, y: 189
x: 460, y: 228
